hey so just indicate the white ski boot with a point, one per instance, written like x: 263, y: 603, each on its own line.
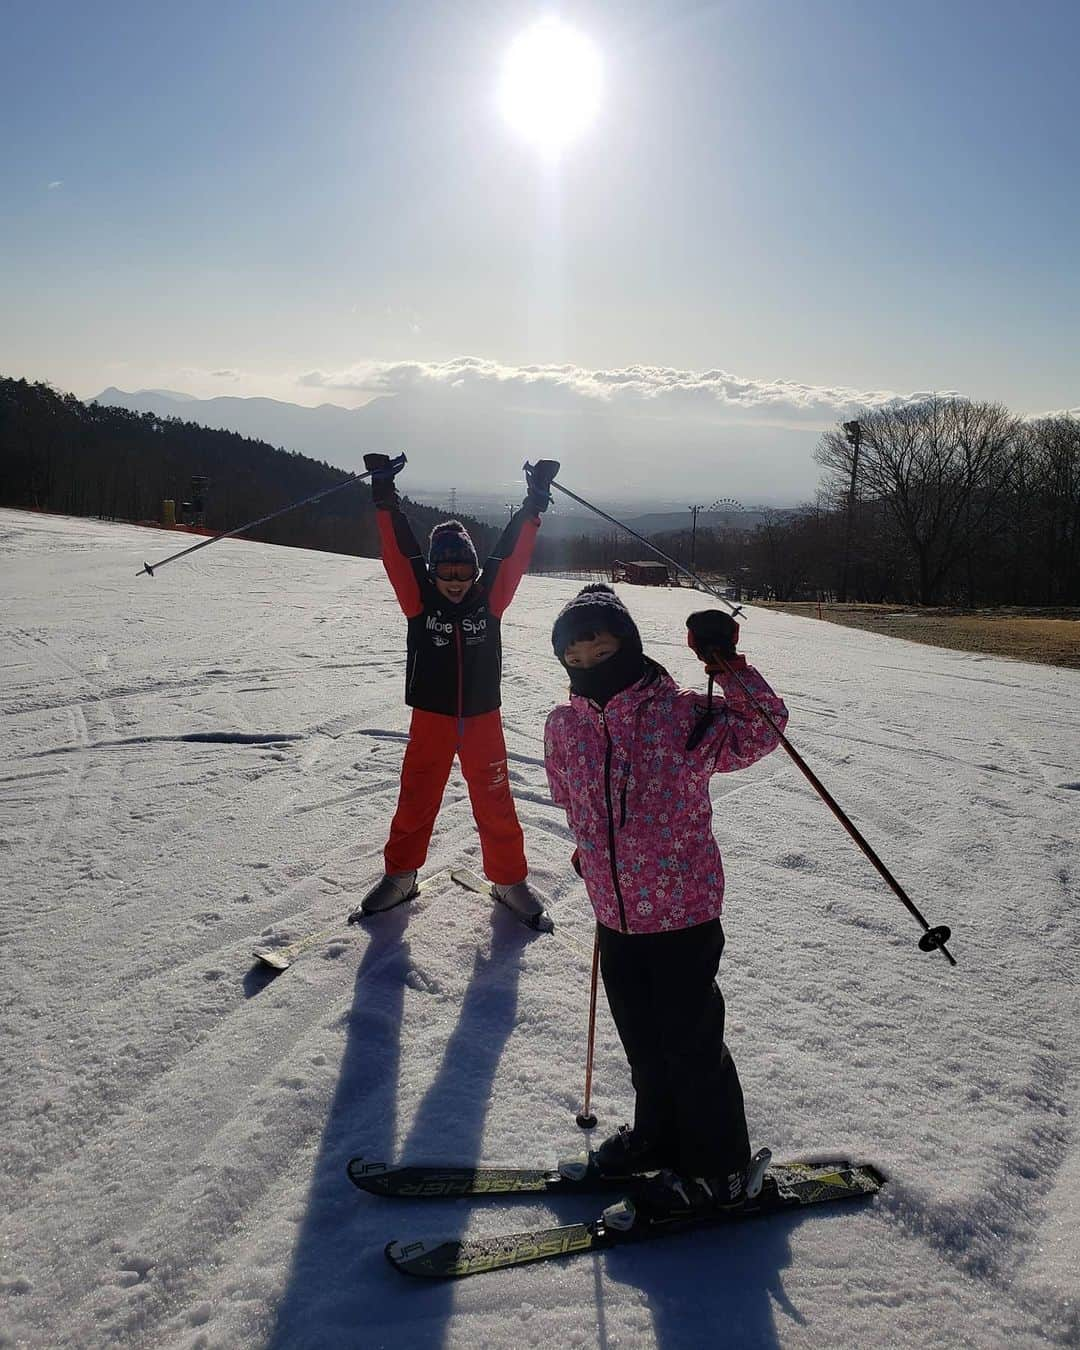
x: 394, y: 889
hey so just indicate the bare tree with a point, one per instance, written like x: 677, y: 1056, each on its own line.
x: 938, y: 467
x: 1055, y: 442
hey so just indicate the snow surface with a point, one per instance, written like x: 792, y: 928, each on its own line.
x: 207, y: 760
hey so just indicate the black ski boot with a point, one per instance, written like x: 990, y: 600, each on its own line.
x: 669, y: 1197
x: 625, y: 1154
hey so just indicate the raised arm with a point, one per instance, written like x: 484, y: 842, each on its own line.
x: 748, y: 724
x: 401, y: 555
x: 743, y: 735
x: 510, y: 559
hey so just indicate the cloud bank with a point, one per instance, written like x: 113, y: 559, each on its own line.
x: 646, y: 428
x: 651, y: 391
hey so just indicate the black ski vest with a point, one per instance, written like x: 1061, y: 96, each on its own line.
x: 454, y: 661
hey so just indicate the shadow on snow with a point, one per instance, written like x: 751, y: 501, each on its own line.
x: 340, y: 1291
x: 719, y: 1285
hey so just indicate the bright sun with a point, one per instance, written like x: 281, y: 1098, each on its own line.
x: 550, y: 86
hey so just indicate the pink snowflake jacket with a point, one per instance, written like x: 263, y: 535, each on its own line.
x: 638, y: 801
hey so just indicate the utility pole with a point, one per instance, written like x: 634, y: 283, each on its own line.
x: 853, y: 432
x: 453, y: 501
x: 693, y: 533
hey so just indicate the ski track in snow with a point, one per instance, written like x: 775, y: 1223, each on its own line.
x: 206, y: 761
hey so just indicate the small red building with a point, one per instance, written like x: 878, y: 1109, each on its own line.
x: 641, y: 573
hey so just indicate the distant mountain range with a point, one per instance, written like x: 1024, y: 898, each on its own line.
x: 477, y: 448
x: 341, y: 435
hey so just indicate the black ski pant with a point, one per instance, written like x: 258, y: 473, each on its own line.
x: 669, y: 1012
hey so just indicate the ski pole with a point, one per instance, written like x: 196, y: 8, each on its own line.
x: 933, y: 939
x: 585, y: 1118
x: 698, y: 582
x: 150, y: 568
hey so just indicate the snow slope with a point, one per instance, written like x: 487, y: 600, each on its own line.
x: 208, y: 759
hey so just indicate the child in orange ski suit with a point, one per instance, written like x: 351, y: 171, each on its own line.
x: 453, y: 678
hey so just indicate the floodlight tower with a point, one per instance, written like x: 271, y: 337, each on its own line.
x: 693, y: 532
x: 853, y: 432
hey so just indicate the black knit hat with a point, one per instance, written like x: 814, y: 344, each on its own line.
x: 451, y: 543
x: 595, y: 609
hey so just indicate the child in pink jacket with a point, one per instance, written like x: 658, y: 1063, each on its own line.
x: 630, y: 758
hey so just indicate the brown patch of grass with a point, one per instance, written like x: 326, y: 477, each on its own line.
x: 1049, y: 637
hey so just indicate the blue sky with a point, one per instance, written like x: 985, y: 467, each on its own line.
x: 859, y: 199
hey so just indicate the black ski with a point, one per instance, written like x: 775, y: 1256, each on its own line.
x: 786, y: 1187
x: 435, y: 1182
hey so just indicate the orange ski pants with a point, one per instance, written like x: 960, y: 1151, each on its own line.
x: 434, y: 740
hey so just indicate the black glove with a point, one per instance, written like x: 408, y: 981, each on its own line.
x: 539, y: 476
x: 712, y: 635
x: 383, y: 471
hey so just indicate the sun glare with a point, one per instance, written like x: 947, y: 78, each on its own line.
x: 550, y: 86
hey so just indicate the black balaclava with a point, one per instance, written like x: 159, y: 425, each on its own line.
x: 602, y: 682
x: 597, y: 609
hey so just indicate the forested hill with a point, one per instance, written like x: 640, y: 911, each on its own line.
x: 83, y: 459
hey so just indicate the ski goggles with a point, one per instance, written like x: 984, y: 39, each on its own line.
x: 452, y: 571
